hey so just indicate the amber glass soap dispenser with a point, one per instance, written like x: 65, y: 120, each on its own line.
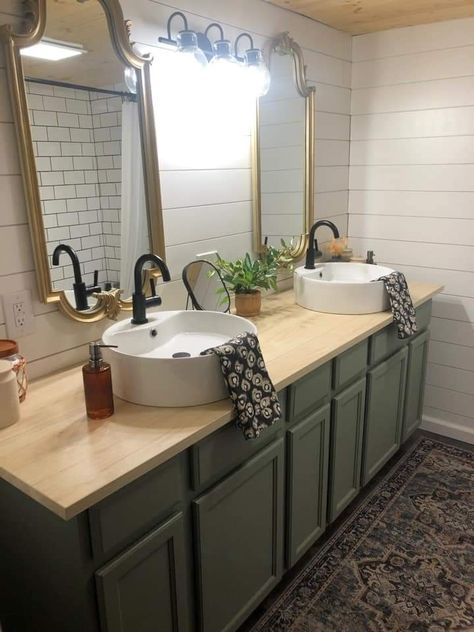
x: 97, y: 378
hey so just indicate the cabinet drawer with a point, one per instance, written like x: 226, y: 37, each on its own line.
x: 129, y: 513
x: 309, y: 392
x: 224, y: 450
x: 386, y: 342
x: 350, y: 365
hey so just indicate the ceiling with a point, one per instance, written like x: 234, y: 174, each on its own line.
x: 83, y: 23
x: 367, y: 16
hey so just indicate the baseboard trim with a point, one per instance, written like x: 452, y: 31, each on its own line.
x: 447, y: 429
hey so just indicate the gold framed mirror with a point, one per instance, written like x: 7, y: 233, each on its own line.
x: 283, y: 151
x: 78, y: 155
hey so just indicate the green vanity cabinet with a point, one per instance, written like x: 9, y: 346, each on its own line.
x: 239, y: 540
x: 347, y: 424
x: 307, y: 475
x: 384, y: 412
x: 417, y: 361
x: 144, y: 588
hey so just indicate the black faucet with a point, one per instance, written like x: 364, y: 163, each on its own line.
x: 313, y: 250
x: 139, y: 300
x: 79, y: 287
x: 95, y: 287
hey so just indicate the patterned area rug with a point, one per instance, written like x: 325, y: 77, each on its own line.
x: 403, y: 561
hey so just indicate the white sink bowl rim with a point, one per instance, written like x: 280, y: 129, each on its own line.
x: 342, y: 288
x: 148, y: 367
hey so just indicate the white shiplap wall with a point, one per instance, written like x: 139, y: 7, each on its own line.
x: 207, y: 204
x: 412, y: 188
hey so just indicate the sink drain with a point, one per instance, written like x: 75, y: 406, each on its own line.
x: 181, y: 354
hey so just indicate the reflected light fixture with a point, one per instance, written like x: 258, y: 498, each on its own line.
x: 53, y: 50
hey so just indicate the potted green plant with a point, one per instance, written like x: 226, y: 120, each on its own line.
x: 246, y: 277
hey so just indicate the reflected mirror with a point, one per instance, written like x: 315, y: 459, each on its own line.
x: 206, y: 289
x: 96, y: 205
x: 284, y: 148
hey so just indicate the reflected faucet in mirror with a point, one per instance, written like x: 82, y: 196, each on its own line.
x: 139, y: 300
x: 313, y: 250
x: 79, y: 287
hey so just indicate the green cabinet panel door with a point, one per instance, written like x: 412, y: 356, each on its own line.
x: 307, y: 476
x: 417, y: 360
x: 239, y: 540
x: 384, y: 414
x: 144, y: 588
x: 345, y: 447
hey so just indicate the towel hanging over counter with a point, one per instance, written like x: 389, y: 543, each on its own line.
x: 400, y: 302
x: 248, y: 383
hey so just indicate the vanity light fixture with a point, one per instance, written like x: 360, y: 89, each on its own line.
x: 227, y: 70
x: 53, y: 50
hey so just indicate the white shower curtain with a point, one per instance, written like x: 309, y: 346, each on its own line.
x: 134, y: 240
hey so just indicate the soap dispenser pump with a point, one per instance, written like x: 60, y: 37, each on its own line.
x: 97, y: 378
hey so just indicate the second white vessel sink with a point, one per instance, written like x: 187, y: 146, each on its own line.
x: 342, y: 288
x: 159, y: 363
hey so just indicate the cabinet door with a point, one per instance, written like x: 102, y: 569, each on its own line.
x: 385, y: 401
x: 347, y: 425
x: 144, y: 588
x: 308, y: 448
x: 239, y: 540
x: 417, y: 360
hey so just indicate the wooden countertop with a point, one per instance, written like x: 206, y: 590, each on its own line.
x: 67, y: 463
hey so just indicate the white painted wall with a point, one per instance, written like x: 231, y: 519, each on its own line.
x: 207, y: 203
x: 412, y: 188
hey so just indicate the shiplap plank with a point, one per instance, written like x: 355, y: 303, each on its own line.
x: 451, y: 204
x: 415, y: 229
x: 206, y: 222
x: 413, y: 177
x: 455, y: 332
x: 414, y: 39
x: 449, y: 401
x: 454, y: 308
x: 455, y: 356
x: 196, y: 188
x: 457, y: 283
x: 427, y: 256
x: 441, y: 93
x: 418, y: 124
x: 438, y: 64
x: 414, y: 151
x: 447, y: 377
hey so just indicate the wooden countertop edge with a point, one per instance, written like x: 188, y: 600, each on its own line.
x: 67, y: 510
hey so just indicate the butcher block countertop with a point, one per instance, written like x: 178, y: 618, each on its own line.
x: 68, y: 463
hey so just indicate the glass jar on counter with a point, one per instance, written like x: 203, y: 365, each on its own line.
x: 9, y: 352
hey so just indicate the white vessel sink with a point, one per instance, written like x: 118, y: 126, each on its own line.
x: 159, y: 363
x: 342, y: 288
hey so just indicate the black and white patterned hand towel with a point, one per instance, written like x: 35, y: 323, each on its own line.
x: 250, y: 387
x: 401, y: 303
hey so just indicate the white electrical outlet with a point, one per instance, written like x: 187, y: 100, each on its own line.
x: 18, y: 314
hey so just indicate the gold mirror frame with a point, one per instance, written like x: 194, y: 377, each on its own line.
x: 284, y: 44
x: 108, y: 303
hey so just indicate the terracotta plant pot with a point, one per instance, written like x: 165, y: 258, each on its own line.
x: 248, y: 303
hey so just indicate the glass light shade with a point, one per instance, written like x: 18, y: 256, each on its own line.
x: 53, y: 50
x: 257, y: 73
x: 225, y: 72
x: 188, y: 50
x: 130, y: 78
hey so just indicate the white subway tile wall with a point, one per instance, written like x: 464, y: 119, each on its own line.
x: 79, y: 179
x: 412, y: 189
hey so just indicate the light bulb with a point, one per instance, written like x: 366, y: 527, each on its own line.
x: 189, y: 50
x: 224, y: 71
x: 257, y: 74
